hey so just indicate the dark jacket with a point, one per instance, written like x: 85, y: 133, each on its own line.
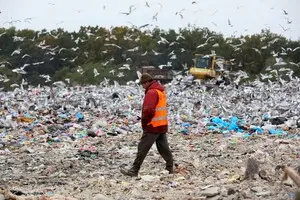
x: 148, y: 110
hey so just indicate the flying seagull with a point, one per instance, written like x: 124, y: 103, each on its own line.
x: 131, y: 9
x: 96, y: 73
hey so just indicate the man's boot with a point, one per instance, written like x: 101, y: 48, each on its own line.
x: 170, y: 169
x: 129, y: 172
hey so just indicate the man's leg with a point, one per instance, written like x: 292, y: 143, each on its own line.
x: 144, y: 146
x: 164, y: 150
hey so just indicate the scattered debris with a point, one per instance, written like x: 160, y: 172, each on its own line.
x: 70, y: 147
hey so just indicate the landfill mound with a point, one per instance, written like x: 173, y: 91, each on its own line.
x: 227, y: 142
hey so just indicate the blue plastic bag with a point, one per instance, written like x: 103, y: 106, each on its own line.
x: 79, y: 116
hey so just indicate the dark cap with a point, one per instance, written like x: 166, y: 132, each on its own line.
x: 145, y: 78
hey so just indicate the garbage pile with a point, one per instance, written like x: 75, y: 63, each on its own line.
x: 72, y: 140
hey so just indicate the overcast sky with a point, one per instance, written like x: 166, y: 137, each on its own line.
x: 245, y: 16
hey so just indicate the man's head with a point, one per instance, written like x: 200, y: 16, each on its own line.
x: 146, y: 80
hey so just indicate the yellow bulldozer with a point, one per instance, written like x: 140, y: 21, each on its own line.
x: 208, y: 66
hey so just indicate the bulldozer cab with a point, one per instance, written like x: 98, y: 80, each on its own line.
x: 204, y: 66
x: 204, y: 62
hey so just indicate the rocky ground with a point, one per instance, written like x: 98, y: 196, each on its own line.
x: 209, y: 166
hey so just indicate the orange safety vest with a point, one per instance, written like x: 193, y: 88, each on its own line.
x: 160, y: 117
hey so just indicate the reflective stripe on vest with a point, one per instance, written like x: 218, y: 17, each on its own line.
x: 160, y: 117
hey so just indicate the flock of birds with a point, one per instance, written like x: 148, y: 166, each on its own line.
x: 111, y: 42
x: 157, y: 7
x: 250, y: 102
x: 254, y: 103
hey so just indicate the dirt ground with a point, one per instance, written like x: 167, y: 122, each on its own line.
x: 209, y: 166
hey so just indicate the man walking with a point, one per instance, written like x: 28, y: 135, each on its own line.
x: 154, y: 124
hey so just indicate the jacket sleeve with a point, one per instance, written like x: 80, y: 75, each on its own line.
x: 149, y: 105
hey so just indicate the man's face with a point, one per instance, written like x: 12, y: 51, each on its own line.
x: 145, y: 85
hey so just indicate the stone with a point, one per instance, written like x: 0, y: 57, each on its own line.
x: 223, y: 174
x: 211, y: 192
x: 215, y: 198
x: 135, y: 192
x: 230, y: 191
x: 209, y: 179
x: 257, y: 189
x: 148, y: 178
x: 262, y: 194
x: 263, y: 174
x: 101, y: 197
x: 232, y: 197
x: 29, y: 150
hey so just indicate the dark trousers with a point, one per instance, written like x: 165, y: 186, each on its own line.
x: 146, y: 143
